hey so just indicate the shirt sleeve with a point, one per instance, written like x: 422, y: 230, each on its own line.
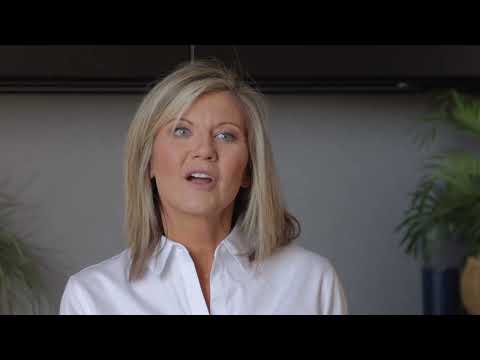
x: 72, y: 302
x: 333, y: 300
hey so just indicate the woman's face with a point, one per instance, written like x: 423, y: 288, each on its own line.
x: 210, y: 138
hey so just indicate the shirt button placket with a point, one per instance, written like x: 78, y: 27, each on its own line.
x: 213, y: 289
x: 194, y: 291
x: 216, y: 286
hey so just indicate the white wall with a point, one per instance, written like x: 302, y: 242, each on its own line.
x: 346, y: 164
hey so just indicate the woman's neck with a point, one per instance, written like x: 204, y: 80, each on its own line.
x: 199, y: 235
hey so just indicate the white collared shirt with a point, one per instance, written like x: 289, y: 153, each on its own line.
x: 293, y: 280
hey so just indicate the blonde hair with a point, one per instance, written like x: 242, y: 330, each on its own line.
x: 259, y: 210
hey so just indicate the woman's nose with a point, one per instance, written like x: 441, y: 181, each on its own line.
x: 205, y: 149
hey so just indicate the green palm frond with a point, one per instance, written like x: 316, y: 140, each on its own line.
x: 447, y: 200
x: 454, y: 109
x: 458, y: 170
x: 465, y: 113
x: 22, y: 290
x: 460, y: 111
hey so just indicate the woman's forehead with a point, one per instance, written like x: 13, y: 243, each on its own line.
x: 217, y: 103
x: 219, y: 107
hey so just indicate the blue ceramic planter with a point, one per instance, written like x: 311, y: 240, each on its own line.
x: 441, y: 292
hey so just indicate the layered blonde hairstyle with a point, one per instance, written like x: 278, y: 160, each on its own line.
x: 259, y: 210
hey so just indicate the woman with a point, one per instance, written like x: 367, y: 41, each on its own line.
x: 207, y: 230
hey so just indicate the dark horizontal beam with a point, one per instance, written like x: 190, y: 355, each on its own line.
x: 276, y: 69
x: 270, y: 86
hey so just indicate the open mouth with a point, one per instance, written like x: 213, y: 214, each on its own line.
x: 199, y: 180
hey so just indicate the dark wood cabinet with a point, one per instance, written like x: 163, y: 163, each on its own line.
x: 316, y: 62
x: 85, y: 68
x: 272, y: 68
x: 330, y: 68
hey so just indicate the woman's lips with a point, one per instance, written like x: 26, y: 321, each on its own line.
x: 202, y: 184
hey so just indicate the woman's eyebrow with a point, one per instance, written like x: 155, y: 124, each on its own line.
x: 186, y: 120
x: 222, y: 123
x: 181, y: 119
x: 229, y: 123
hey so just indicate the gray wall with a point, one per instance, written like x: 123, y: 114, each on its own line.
x: 346, y: 164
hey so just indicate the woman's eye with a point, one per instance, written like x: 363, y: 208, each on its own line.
x: 227, y: 136
x: 183, y: 131
x: 180, y: 131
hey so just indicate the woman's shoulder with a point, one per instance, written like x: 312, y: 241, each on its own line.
x: 86, y: 288
x: 312, y: 271
x: 111, y: 269
x: 299, y: 257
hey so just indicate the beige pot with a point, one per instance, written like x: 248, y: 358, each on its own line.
x: 470, y: 286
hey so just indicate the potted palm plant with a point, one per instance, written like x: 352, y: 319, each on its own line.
x: 445, y: 209
x: 22, y: 290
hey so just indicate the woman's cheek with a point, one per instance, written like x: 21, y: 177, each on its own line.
x: 238, y: 170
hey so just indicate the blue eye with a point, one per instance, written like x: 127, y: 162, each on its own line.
x: 230, y: 137
x: 183, y: 131
x: 176, y: 132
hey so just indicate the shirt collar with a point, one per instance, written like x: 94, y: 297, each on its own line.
x: 160, y: 255
x: 236, y: 244
x: 239, y: 246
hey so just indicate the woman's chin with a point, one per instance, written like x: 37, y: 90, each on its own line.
x: 201, y: 210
